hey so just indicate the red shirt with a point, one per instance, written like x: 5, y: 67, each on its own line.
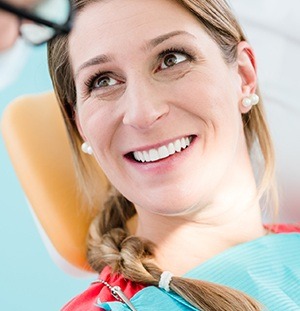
x: 283, y: 228
x: 86, y: 300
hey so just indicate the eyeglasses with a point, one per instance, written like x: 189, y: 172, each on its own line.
x: 43, y: 20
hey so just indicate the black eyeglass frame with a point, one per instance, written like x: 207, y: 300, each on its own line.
x: 23, y: 13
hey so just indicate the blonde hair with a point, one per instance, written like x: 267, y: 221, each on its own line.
x: 109, y: 241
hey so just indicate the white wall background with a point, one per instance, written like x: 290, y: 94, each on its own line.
x: 273, y: 29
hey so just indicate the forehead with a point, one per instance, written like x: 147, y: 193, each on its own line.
x: 112, y: 14
x: 105, y: 26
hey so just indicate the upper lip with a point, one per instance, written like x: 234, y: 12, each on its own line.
x: 157, y: 145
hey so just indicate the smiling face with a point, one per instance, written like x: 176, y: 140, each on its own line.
x: 157, y: 103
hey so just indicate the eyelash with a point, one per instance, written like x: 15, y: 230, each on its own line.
x: 91, y: 80
x: 190, y: 56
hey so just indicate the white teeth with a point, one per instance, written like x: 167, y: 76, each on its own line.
x: 163, y: 151
x: 177, y: 145
x: 141, y: 156
x: 146, y: 156
x: 171, y: 148
x: 153, y: 154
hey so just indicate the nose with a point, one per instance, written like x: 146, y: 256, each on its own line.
x: 145, y: 105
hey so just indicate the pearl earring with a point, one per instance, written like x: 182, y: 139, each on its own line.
x: 250, y: 100
x: 86, y: 148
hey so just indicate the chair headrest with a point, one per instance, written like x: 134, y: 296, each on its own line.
x: 37, y: 142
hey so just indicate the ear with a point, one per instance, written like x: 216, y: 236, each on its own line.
x: 246, y: 63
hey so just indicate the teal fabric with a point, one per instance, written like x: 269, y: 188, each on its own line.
x: 267, y: 269
x: 151, y: 299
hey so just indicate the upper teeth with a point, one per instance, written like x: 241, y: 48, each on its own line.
x: 163, y: 151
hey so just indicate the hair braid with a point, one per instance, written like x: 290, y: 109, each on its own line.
x: 111, y: 245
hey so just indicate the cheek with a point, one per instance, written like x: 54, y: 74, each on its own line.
x: 208, y: 95
x: 94, y: 122
x: 213, y: 103
x: 99, y: 125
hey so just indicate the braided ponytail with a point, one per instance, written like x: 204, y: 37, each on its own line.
x: 110, y: 244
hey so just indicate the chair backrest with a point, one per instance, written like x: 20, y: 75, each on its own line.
x: 37, y: 142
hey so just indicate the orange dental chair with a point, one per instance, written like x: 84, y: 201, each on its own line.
x: 31, y: 126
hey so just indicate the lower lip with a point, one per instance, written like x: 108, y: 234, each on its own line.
x: 164, y: 164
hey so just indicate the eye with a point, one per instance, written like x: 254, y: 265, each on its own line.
x: 172, y: 59
x: 104, y: 81
x: 100, y: 81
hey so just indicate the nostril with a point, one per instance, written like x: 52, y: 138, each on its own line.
x: 143, y: 118
x: 143, y: 106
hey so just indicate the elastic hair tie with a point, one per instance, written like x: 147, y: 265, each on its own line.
x: 165, y: 280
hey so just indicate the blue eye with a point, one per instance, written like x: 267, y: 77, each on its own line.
x: 173, y: 59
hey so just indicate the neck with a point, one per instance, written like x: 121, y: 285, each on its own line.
x: 190, y: 243
x: 230, y: 218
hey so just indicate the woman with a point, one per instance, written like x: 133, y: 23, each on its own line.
x: 163, y: 94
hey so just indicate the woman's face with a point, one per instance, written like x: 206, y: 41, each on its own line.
x: 156, y: 102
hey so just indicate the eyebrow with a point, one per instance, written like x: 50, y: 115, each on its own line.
x: 160, y: 39
x: 102, y: 59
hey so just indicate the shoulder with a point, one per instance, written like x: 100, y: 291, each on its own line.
x: 98, y: 292
x: 85, y: 301
x: 283, y: 228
